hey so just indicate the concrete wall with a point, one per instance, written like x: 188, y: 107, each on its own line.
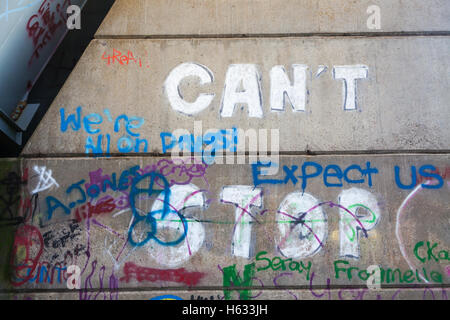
x: 269, y: 18
x: 400, y: 105
x: 360, y: 165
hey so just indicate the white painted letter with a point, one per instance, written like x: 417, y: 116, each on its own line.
x: 243, y: 197
x: 350, y: 74
x: 303, y: 226
x: 351, y: 224
x: 172, y: 88
x: 280, y: 85
x: 243, y: 86
x: 181, y: 197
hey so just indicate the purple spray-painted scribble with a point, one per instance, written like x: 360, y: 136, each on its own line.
x: 360, y: 293
x: 176, y: 171
x: 301, y: 220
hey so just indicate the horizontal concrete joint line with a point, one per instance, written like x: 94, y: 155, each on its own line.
x: 217, y: 288
x: 278, y: 35
x: 281, y: 153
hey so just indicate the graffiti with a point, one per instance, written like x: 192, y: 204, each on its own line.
x: 92, y: 190
x: 363, y: 294
x: 90, y: 123
x: 143, y: 274
x: 356, y: 293
x: 26, y: 297
x: 281, y: 88
x: 302, y: 226
x: 175, y: 238
x: 166, y: 297
x: 149, y: 219
x: 171, y: 88
x: 99, y: 184
x: 103, y: 182
x: 9, y: 197
x: 330, y: 171
x: 30, y: 246
x: 388, y: 275
x: 211, y: 297
x: 123, y: 59
x: 431, y: 254
x: 184, y: 201
x: 444, y: 173
x: 86, y: 292
x: 61, y: 237
x: 243, y: 197
x: 28, y: 208
x: 223, y: 146
x: 42, y: 26
x: 349, y: 75
x: 243, y: 87
x: 337, y: 175
x: 232, y: 279
x: 167, y: 224
x: 278, y: 263
x: 302, y: 222
x: 177, y: 171
x: 356, y: 201
x: 165, y: 214
x: 424, y: 252
x: 46, y: 181
x: 27, y: 250
x: 45, y: 273
x: 247, y: 75
x: 284, y: 274
x: 220, y: 140
x: 102, y: 206
x: 427, y: 173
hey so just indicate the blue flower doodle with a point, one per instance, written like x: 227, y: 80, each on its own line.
x: 149, y: 219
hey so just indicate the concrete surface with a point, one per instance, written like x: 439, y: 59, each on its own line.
x: 58, y: 69
x: 111, y: 246
x: 136, y: 224
x: 257, y: 294
x: 246, y: 17
x: 401, y: 105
